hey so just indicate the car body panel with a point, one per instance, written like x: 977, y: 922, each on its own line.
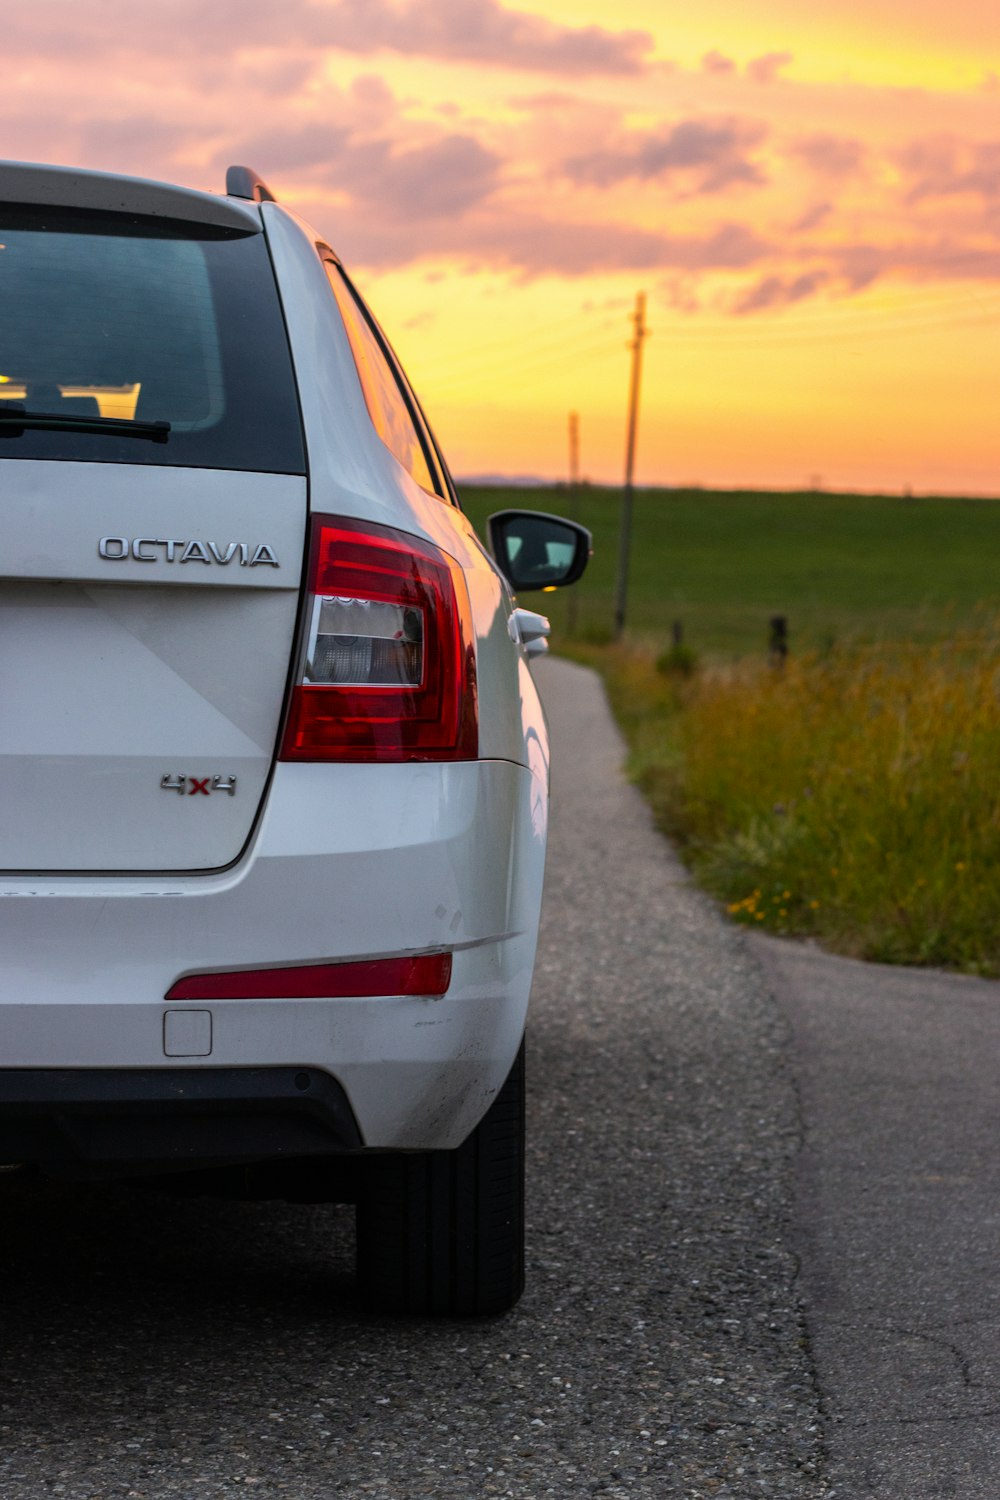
x: 156, y: 659
x: 373, y: 861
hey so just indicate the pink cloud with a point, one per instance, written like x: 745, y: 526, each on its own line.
x: 486, y: 32
x: 716, y: 151
x: 402, y: 181
x: 830, y: 155
x: 313, y: 149
x: 481, y: 31
x: 446, y: 177
x: 942, y: 260
x: 447, y: 174
x: 529, y: 245
x: 773, y: 292
x: 813, y: 217
x: 766, y: 69
x: 717, y: 63
x: 945, y: 167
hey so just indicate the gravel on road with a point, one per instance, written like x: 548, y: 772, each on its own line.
x: 162, y: 1348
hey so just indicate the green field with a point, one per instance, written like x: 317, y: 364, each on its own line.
x: 853, y: 796
x: 842, y: 568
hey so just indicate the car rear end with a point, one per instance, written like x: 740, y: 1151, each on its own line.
x: 273, y: 820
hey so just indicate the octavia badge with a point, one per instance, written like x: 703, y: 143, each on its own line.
x: 149, y: 549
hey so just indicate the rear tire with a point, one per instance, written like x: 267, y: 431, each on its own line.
x: 442, y: 1232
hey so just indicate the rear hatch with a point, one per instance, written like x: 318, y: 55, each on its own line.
x: 149, y: 573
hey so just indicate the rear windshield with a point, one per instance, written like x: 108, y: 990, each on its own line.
x: 143, y: 321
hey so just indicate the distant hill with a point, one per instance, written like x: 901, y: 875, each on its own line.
x: 507, y: 481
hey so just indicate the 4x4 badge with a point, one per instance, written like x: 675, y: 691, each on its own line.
x: 194, y: 786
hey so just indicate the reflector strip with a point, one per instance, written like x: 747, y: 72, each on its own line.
x: 425, y: 974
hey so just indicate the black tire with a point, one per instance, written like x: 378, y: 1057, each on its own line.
x: 442, y: 1232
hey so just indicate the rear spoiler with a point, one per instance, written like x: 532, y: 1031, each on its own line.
x: 75, y: 187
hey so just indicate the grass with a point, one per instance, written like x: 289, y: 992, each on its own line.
x: 853, y: 799
x: 842, y: 568
x: 852, y: 795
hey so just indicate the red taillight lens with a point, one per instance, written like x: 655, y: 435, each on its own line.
x: 389, y: 669
x: 426, y: 974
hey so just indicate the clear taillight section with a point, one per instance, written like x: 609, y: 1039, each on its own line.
x: 389, y: 666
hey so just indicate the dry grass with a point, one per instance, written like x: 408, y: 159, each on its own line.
x: 854, y: 797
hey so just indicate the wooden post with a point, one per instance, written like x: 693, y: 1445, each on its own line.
x: 778, y: 644
x: 625, y: 538
x: 574, y: 506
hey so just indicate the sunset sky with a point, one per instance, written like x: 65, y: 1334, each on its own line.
x: 809, y: 196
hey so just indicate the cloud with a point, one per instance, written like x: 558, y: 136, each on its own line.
x: 773, y: 292
x: 529, y: 245
x: 279, y: 74
x: 766, y: 69
x: 830, y: 155
x: 470, y: 175
x: 481, y: 31
x: 717, y: 63
x: 681, y: 293
x: 524, y: 244
x: 445, y: 175
x: 812, y: 218
x: 945, y: 167
x: 549, y: 100
x: 732, y: 246
x: 372, y: 101
x: 485, y: 32
x: 862, y: 264
x: 132, y: 141
x: 941, y: 260
x: 293, y: 149
x: 715, y: 151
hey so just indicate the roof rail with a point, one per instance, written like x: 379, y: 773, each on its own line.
x: 243, y: 182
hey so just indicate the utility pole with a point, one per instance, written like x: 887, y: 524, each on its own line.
x: 574, y: 504
x: 574, y: 450
x: 638, y: 320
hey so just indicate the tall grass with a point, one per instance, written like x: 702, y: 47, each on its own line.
x: 854, y: 796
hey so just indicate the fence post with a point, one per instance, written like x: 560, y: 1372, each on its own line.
x: 778, y: 644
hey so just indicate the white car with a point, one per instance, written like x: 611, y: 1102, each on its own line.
x: 275, y: 770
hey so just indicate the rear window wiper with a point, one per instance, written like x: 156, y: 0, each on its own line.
x: 14, y: 418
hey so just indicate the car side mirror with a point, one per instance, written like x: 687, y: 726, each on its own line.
x: 534, y: 550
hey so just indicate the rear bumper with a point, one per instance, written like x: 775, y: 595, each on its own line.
x: 172, y: 1118
x: 349, y: 862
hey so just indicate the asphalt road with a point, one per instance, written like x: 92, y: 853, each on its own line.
x: 897, y: 1219
x: 161, y: 1348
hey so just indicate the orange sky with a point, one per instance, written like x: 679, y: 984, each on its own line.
x: 812, y: 206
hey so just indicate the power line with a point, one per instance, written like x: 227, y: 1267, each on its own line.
x: 843, y: 324
x: 837, y: 324
x: 519, y: 365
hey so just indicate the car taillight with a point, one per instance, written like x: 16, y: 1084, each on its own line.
x: 422, y: 974
x: 389, y: 664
